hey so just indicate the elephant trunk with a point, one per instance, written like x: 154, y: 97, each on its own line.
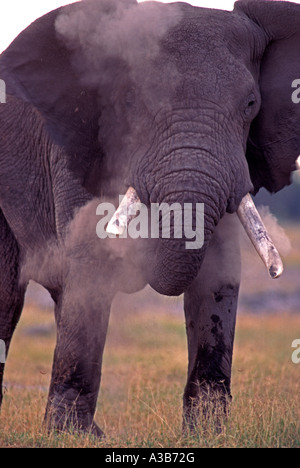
x: 193, y: 216
x: 178, y: 261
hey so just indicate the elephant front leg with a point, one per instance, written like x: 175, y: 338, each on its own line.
x: 210, y: 310
x: 81, y: 335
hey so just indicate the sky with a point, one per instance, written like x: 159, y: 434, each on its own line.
x: 16, y: 15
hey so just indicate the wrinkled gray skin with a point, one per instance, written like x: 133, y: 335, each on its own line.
x: 184, y: 104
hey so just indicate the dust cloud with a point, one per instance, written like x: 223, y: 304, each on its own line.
x: 94, y: 266
x: 103, y: 32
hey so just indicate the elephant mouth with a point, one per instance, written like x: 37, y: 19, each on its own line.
x: 248, y: 216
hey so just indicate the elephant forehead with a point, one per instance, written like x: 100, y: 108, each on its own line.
x: 212, y: 37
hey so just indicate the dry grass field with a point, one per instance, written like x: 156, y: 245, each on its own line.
x: 145, y: 369
x: 143, y: 379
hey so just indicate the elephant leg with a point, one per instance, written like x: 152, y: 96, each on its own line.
x: 11, y: 292
x: 210, y: 310
x: 82, y: 321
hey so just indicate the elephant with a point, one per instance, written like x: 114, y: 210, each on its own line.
x: 176, y: 104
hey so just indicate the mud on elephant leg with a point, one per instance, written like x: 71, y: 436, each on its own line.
x: 210, y: 309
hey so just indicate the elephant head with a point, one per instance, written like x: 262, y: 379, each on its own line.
x: 186, y: 105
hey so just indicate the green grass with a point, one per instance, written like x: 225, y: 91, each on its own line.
x: 144, y: 375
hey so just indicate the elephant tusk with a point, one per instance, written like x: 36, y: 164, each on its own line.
x: 298, y: 164
x: 126, y: 211
x: 259, y: 237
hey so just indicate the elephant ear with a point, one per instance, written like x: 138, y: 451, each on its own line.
x: 39, y: 67
x: 274, y: 139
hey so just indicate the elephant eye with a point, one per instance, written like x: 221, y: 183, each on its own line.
x: 250, y: 106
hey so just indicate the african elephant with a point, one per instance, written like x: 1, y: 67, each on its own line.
x: 184, y: 105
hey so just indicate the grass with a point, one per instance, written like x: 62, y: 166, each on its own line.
x: 144, y: 375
